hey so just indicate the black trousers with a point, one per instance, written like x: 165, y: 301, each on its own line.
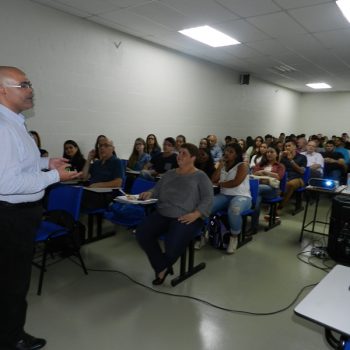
x: 18, y: 225
x: 176, y: 235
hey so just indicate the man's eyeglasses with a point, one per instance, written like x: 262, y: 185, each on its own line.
x: 22, y: 85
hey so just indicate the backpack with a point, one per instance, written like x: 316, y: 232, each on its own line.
x: 218, y: 235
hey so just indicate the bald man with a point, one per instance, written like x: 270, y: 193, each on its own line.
x: 22, y: 185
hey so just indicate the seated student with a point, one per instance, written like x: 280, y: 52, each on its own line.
x: 72, y: 152
x: 137, y: 160
x: 185, y: 197
x: 243, y: 145
x: 36, y: 137
x: 204, y: 143
x: 334, y: 164
x: 106, y: 172
x: 268, y: 189
x: 179, y: 141
x: 233, y: 179
x: 249, y: 145
x: 258, y: 156
x: 215, y: 149
x: 339, y: 147
x: 99, y: 139
x: 280, y: 146
x: 152, y: 146
x: 205, y: 162
x: 295, y: 164
x: 269, y: 139
x: 301, y: 143
x: 256, y: 145
x: 162, y: 162
x: 314, y: 160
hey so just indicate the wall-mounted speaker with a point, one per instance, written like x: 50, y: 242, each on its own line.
x: 244, y: 79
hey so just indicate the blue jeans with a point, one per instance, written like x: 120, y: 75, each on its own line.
x: 234, y: 205
x: 265, y: 192
x: 176, y: 235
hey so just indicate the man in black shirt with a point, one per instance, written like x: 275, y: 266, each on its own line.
x: 334, y: 163
x: 295, y: 164
x: 163, y: 161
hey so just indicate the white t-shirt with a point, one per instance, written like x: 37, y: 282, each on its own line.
x: 241, y: 190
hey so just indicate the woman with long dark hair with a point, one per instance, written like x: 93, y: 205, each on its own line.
x: 72, y: 152
x: 271, y: 172
x: 205, y: 161
x: 152, y: 146
x: 232, y: 176
x: 138, y: 158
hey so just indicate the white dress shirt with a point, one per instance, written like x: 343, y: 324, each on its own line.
x: 314, y: 158
x: 21, y: 178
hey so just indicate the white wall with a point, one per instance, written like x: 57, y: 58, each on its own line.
x: 85, y: 86
x: 327, y: 113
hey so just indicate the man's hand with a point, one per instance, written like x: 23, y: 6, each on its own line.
x: 66, y: 175
x: 55, y: 163
x: 91, y: 155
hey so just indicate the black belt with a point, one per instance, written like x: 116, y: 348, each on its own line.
x: 20, y: 205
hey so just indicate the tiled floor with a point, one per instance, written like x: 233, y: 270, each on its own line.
x: 106, y: 310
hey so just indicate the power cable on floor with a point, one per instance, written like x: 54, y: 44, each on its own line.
x: 244, y: 312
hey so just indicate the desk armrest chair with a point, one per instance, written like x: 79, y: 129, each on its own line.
x: 273, y: 203
x: 64, y: 201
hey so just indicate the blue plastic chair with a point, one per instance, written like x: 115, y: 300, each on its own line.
x: 299, y: 192
x: 187, y: 264
x: 273, y: 222
x: 64, y: 200
x: 140, y: 185
x: 243, y: 238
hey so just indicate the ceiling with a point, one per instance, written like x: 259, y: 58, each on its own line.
x: 285, y: 42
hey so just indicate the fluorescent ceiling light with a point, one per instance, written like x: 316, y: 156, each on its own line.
x: 319, y: 86
x: 344, y: 6
x: 209, y: 36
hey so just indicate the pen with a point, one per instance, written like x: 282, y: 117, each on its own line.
x: 122, y: 192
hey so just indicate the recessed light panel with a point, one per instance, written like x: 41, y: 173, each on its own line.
x: 209, y: 36
x: 344, y: 6
x: 319, y: 86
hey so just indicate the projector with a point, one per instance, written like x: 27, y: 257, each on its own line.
x: 324, y: 184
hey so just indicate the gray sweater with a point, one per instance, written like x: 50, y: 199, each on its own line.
x: 182, y: 194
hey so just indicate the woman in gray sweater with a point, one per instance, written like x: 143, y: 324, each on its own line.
x: 185, y: 198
